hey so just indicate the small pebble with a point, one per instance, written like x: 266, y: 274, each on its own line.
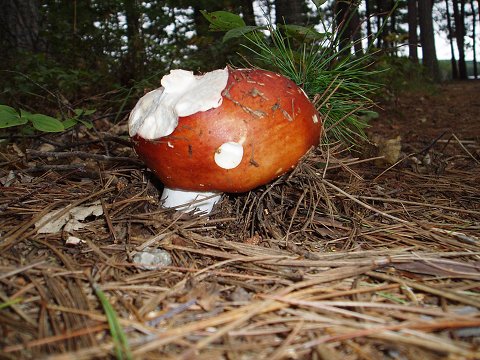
x: 152, y: 259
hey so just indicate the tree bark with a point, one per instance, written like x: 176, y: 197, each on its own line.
x: 453, y: 61
x: 290, y: 12
x: 348, y: 26
x: 133, y: 63
x: 342, y: 15
x: 427, y: 39
x: 474, y: 37
x: 368, y: 14
x: 381, y: 19
x: 247, y: 12
x: 459, y: 16
x: 356, y: 29
x: 392, y: 10
x: 412, y: 31
x: 20, y: 25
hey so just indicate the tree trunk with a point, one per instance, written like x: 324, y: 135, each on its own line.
x: 356, y: 29
x: 348, y: 26
x: 453, y: 61
x: 459, y: 16
x: 290, y: 12
x: 474, y: 37
x: 427, y: 39
x: 368, y: 15
x: 133, y: 63
x: 247, y: 12
x: 380, y: 20
x: 210, y: 49
x: 20, y: 25
x: 342, y: 18
x: 412, y: 31
x: 392, y: 45
x: 382, y: 16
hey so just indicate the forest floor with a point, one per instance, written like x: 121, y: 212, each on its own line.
x: 368, y: 257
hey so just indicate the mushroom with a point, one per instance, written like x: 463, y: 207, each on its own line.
x: 229, y: 130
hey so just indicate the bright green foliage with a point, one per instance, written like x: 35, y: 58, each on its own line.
x: 338, y: 83
x: 79, y: 117
x: 223, y: 20
x: 9, y: 117
x: 42, y: 122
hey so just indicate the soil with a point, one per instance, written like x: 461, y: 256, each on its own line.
x: 342, y: 259
x: 421, y: 117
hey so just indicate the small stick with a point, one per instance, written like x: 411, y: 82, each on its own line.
x: 465, y: 149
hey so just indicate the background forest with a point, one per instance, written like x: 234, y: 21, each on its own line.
x: 82, y: 48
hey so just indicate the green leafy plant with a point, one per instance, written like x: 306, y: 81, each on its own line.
x: 10, y: 117
x: 338, y: 82
x: 79, y: 118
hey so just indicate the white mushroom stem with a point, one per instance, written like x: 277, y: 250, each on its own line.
x: 187, y: 201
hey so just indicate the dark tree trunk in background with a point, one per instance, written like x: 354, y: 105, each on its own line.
x: 213, y: 54
x: 368, y: 15
x: 459, y: 15
x: 453, y: 61
x: 133, y: 62
x: 342, y: 15
x: 427, y: 39
x: 20, y: 25
x: 392, y: 10
x: 382, y: 15
x: 412, y: 31
x: 348, y: 25
x: 247, y: 11
x: 290, y: 12
x: 474, y: 37
x: 356, y: 28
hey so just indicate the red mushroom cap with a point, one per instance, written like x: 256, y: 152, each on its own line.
x: 265, y: 120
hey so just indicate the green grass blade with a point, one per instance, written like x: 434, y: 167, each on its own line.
x: 10, y: 303
x: 122, y: 348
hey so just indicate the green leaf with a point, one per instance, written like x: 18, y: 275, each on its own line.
x: 25, y: 114
x: 69, y: 123
x: 223, y: 20
x: 86, y: 123
x: 319, y: 3
x: 89, y: 112
x: 302, y: 32
x: 46, y: 123
x: 84, y: 112
x: 7, y: 109
x: 9, y: 117
x: 240, y: 31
